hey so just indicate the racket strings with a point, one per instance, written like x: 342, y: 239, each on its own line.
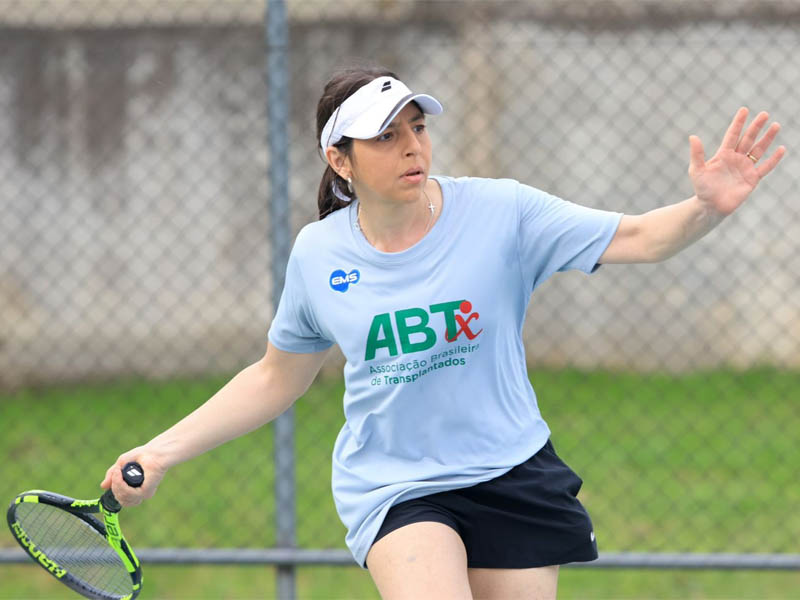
x: 76, y: 546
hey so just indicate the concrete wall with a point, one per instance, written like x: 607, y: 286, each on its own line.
x: 134, y: 197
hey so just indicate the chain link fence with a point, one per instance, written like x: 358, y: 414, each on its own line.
x: 135, y: 268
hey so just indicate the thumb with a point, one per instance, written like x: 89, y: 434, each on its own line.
x: 121, y: 460
x: 106, y: 483
x: 697, y: 158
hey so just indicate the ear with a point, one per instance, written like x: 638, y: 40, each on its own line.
x: 338, y: 162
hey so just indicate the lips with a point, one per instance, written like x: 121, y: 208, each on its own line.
x: 413, y: 171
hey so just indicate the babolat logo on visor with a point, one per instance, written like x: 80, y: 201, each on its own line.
x: 340, y: 281
x: 387, y: 85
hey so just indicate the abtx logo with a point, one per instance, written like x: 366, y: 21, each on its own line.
x: 406, y: 331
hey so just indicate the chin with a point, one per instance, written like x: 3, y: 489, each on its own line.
x: 412, y: 194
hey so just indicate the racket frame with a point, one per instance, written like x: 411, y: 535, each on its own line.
x: 84, y: 510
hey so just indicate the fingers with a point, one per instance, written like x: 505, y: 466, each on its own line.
x: 106, y: 483
x: 749, y: 138
x: 748, y: 145
x: 125, y: 494
x: 760, y: 149
x: 735, y: 130
x: 769, y: 164
x: 697, y: 157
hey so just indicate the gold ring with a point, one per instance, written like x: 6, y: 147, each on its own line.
x: 751, y: 157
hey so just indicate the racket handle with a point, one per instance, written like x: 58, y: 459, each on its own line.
x: 133, y: 475
x: 109, y: 502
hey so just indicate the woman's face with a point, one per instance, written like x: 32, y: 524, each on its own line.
x: 380, y: 164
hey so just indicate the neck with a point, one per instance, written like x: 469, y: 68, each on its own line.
x: 392, y: 227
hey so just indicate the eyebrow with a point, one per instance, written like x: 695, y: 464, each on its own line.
x: 420, y: 116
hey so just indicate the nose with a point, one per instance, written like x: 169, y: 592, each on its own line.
x: 412, y: 144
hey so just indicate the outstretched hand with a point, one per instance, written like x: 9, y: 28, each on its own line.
x: 724, y: 182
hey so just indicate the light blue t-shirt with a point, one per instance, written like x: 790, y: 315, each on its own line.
x: 437, y: 392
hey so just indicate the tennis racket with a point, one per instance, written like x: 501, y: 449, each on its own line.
x: 85, y: 553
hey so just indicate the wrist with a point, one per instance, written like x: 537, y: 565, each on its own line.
x: 163, y: 451
x: 707, y: 213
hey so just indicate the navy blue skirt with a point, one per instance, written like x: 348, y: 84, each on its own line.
x: 528, y: 517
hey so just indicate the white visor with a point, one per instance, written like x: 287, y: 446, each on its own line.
x: 371, y: 108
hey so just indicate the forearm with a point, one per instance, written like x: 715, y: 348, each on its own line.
x: 669, y: 229
x: 254, y: 397
x: 656, y: 235
x: 248, y: 401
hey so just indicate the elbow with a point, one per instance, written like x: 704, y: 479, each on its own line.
x: 634, y: 243
x: 659, y: 250
x: 656, y: 254
x: 647, y: 242
x: 288, y: 375
x: 274, y: 385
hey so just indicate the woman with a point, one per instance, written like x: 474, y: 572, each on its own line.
x: 443, y: 472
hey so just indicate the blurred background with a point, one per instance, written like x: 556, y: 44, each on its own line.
x: 137, y: 246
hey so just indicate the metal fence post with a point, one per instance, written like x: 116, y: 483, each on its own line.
x: 276, y: 29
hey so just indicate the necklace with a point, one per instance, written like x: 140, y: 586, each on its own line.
x: 431, y: 208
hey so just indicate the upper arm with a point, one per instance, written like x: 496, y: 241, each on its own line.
x: 628, y: 245
x: 292, y: 372
x: 557, y: 235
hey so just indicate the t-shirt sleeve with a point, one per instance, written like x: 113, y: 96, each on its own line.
x: 295, y: 328
x: 557, y: 235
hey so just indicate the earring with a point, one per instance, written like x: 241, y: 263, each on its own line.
x: 349, y: 185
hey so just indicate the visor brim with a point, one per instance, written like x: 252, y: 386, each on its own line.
x: 373, y: 124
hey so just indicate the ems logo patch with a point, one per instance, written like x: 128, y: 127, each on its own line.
x: 340, y: 281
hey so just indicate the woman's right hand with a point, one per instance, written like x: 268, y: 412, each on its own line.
x: 153, y: 469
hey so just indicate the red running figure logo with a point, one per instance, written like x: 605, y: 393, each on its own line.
x: 466, y: 308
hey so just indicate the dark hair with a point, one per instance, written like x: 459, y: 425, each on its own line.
x: 339, y: 87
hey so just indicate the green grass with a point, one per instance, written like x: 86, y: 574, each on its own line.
x: 324, y: 583
x: 698, y: 463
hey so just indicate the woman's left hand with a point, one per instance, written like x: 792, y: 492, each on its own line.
x: 724, y: 182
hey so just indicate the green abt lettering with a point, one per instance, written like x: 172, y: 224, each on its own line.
x: 449, y: 309
x: 381, y: 333
x: 404, y: 330
x: 381, y: 323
